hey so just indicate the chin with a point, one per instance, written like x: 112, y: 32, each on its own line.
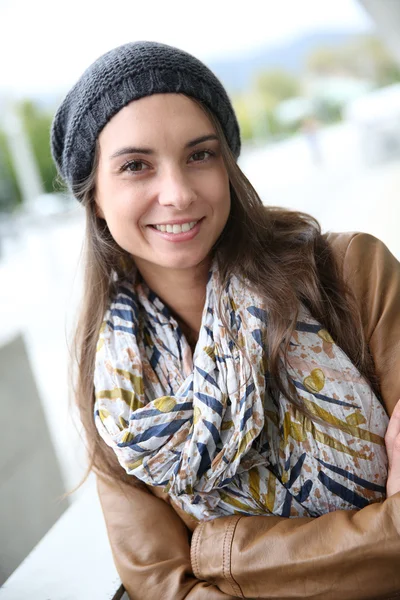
x: 185, y: 261
x: 182, y: 264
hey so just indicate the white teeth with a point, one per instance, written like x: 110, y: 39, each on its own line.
x: 176, y: 228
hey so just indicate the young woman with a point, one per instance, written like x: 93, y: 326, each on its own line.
x: 237, y: 368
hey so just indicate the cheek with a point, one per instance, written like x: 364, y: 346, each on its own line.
x: 120, y: 205
x: 217, y: 190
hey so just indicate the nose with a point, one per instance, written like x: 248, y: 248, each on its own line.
x: 176, y: 189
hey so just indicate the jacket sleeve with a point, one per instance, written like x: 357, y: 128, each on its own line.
x: 353, y: 555
x: 373, y: 274
x: 150, y: 545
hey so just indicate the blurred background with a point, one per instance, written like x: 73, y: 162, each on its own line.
x: 316, y: 87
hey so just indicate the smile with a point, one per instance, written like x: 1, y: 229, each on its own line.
x: 175, y: 227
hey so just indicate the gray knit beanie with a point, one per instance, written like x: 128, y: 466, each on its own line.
x: 124, y: 74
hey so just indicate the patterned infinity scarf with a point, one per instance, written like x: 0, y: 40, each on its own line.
x: 205, y: 429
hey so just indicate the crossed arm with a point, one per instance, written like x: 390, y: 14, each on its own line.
x: 349, y: 555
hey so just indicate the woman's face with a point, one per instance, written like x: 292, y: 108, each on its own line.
x: 161, y: 184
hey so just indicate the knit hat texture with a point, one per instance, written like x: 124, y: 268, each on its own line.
x: 123, y: 74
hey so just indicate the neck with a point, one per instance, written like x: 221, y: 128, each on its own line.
x: 182, y: 290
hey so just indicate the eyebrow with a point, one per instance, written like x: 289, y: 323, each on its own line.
x: 145, y: 150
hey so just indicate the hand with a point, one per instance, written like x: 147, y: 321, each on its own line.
x: 392, y: 441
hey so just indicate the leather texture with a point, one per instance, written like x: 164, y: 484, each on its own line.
x: 351, y: 555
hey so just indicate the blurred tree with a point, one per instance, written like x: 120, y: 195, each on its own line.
x: 36, y: 122
x: 365, y: 57
x: 325, y: 61
x: 328, y: 111
x: 275, y: 86
x: 375, y: 58
x: 269, y: 89
x: 10, y: 195
x: 242, y: 111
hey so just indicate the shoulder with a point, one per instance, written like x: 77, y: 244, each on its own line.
x: 350, y: 241
x: 357, y: 252
x: 373, y: 274
x: 366, y: 265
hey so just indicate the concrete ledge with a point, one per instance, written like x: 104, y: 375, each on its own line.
x: 31, y: 485
x: 72, y: 562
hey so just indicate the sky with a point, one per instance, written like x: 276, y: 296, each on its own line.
x: 45, y: 45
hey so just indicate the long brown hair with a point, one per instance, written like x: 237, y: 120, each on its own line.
x: 281, y: 253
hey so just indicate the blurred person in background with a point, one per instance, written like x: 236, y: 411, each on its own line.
x: 238, y: 371
x: 310, y: 128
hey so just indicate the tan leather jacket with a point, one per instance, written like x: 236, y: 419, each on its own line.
x: 344, y: 555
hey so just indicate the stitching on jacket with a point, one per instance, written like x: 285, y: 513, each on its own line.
x: 195, y: 548
x: 226, y: 556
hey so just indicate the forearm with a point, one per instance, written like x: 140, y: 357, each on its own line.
x: 345, y: 554
x: 150, y: 546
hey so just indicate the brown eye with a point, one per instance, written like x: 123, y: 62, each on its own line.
x: 133, y: 166
x: 201, y: 156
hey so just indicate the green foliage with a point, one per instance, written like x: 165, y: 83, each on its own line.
x: 269, y: 89
x: 10, y: 195
x: 328, y: 111
x: 36, y: 123
x: 326, y: 61
x: 276, y: 86
x: 365, y: 57
x: 243, y: 115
